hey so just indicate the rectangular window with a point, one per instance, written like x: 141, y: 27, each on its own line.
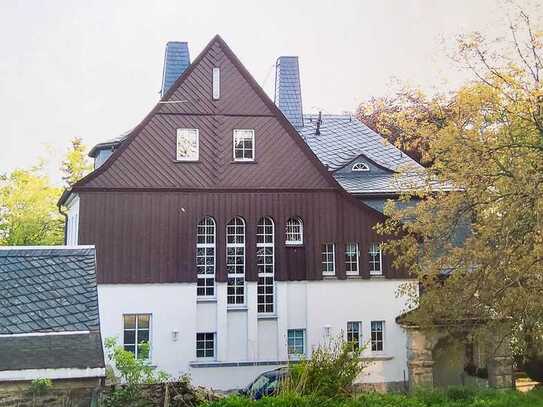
x: 244, y: 145
x: 351, y: 259
x: 377, y: 335
x: 354, y: 334
x: 265, y: 265
x: 296, y: 342
x: 205, y: 345
x: 375, y: 260
x: 187, y: 145
x: 216, y: 83
x: 205, y: 258
x: 136, y: 330
x: 328, y: 254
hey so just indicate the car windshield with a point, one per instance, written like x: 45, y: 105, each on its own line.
x: 260, y: 383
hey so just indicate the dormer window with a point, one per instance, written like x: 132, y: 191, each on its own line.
x: 187, y: 145
x: 360, y: 167
x: 244, y: 145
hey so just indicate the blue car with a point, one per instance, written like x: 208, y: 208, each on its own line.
x: 266, y: 384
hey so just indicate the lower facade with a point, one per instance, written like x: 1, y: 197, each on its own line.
x: 225, y: 346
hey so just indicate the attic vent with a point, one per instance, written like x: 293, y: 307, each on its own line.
x: 360, y: 167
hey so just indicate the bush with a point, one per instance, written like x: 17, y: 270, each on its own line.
x: 330, y: 371
x: 429, y: 398
x: 40, y: 387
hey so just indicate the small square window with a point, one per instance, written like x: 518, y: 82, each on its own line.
x: 188, y: 145
x: 244, y: 145
x: 377, y: 336
x: 205, y: 345
x: 296, y: 343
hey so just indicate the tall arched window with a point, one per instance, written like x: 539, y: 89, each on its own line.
x: 205, y: 257
x: 235, y: 261
x: 265, y: 265
x: 294, y: 231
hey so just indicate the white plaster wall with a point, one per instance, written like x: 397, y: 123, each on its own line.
x: 244, y: 337
x: 72, y: 225
x: 173, y: 307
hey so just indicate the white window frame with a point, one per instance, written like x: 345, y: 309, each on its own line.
x: 351, y: 332
x: 136, y: 330
x: 236, y: 276
x: 216, y: 83
x: 374, y: 341
x: 214, y: 357
x: 205, y: 276
x: 360, y: 167
x: 267, y: 243
x: 375, y: 249
x: 350, y: 263
x: 297, y: 355
x: 326, y: 261
x: 191, y: 131
x: 243, y: 133
x: 298, y: 222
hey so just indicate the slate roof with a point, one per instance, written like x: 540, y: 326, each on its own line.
x: 342, y: 138
x: 288, y: 95
x: 51, y: 289
x: 79, y: 351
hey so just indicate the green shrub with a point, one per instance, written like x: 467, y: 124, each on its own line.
x: 329, y: 372
x: 39, y: 387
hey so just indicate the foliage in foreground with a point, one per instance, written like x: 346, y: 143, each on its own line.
x: 329, y: 372
x: 454, y: 397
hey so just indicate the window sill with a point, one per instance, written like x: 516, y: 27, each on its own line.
x: 377, y: 357
x: 206, y: 299
x: 289, y: 244
x: 187, y: 161
x: 377, y: 276
x: 266, y: 316
x: 353, y: 276
x: 244, y: 162
x: 236, y: 308
x: 329, y: 277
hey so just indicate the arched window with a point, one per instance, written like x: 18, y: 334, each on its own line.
x: 294, y: 231
x: 360, y: 167
x: 205, y: 257
x: 265, y: 265
x: 235, y: 261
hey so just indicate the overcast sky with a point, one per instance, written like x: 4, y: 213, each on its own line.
x: 93, y: 69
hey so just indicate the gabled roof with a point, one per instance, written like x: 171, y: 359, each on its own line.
x: 51, y: 289
x: 342, y: 138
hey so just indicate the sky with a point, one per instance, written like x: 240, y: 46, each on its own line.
x: 93, y: 69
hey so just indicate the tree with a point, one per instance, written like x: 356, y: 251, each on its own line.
x: 489, y: 155
x: 409, y: 119
x: 76, y: 164
x: 28, y: 211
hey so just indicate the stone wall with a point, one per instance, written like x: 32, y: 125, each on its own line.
x: 73, y: 393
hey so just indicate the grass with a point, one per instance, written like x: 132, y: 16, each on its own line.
x: 453, y: 397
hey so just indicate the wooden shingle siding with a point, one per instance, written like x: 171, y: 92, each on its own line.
x: 149, y: 237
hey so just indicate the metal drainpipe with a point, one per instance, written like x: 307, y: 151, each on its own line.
x: 65, y: 223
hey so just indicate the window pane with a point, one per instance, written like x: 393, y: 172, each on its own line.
x: 129, y: 322
x: 129, y: 337
x: 187, y: 144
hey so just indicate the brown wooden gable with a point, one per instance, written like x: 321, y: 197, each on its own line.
x: 147, y: 158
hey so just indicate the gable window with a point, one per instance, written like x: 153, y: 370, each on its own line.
x: 351, y: 259
x: 375, y: 260
x: 216, y: 83
x: 235, y: 261
x: 205, y: 345
x: 377, y: 335
x: 296, y: 342
x: 294, y: 231
x: 188, y: 145
x: 265, y: 265
x: 360, y: 167
x: 328, y: 255
x: 353, y: 334
x: 136, y: 331
x: 244, y: 145
x: 205, y: 257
